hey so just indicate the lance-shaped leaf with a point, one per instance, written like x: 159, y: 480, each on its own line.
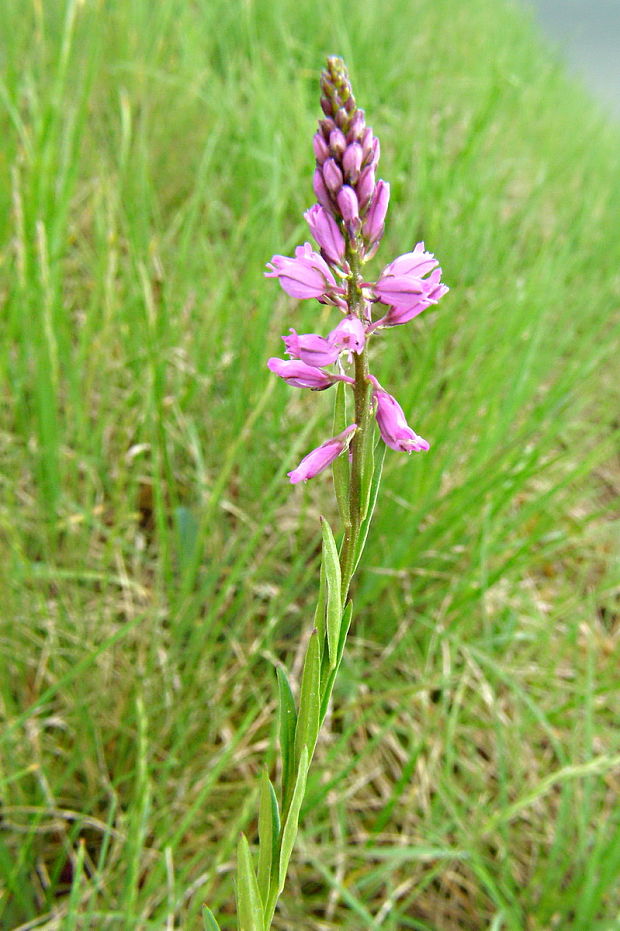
x: 269, y: 835
x: 289, y: 832
x: 249, y: 903
x: 368, y: 469
x: 374, y: 491
x: 309, y: 700
x: 341, y: 466
x: 319, y: 613
x: 344, y: 630
x: 333, y: 577
x: 288, y: 726
x: 208, y: 920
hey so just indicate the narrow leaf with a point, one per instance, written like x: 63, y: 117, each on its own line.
x: 347, y: 617
x: 289, y: 833
x: 309, y: 700
x: 341, y: 467
x: 208, y: 918
x: 368, y: 470
x: 329, y: 685
x: 374, y: 491
x: 319, y: 614
x: 333, y: 578
x: 268, y: 834
x: 249, y: 904
x: 288, y: 724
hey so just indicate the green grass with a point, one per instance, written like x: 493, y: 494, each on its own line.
x: 154, y: 562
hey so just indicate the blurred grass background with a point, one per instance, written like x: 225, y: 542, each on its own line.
x: 154, y: 560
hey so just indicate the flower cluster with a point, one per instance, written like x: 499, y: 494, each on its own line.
x: 347, y: 224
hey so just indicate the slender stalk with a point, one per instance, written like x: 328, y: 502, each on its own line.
x: 347, y: 223
x: 355, y: 301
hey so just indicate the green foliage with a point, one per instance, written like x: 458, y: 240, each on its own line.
x: 289, y: 830
x: 154, y: 561
x: 249, y: 905
x: 341, y: 467
x: 269, y: 837
x: 288, y: 728
x: 210, y: 924
x: 307, y: 728
x: 331, y: 565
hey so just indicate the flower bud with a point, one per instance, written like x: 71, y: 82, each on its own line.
x: 326, y: 106
x: 356, y: 126
x: 337, y: 143
x: 320, y: 190
x: 326, y: 126
x: 367, y: 142
x: 375, y: 152
x: 375, y: 218
x: 332, y: 176
x: 365, y: 187
x: 352, y: 161
x: 348, y: 204
x: 326, y: 232
x: 321, y: 149
x: 342, y: 118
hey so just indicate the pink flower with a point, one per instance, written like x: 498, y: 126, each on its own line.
x: 326, y: 232
x: 417, y: 263
x: 312, y: 349
x: 375, y: 218
x: 352, y: 162
x: 300, y: 375
x: 337, y: 143
x: 320, y: 148
x: 349, y: 334
x: 307, y: 275
x: 319, y: 188
x: 348, y: 204
x: 393, y: 426
x: 365, y: 187
x: 406, y: 285
x: 332, y: 175
x: 322, y: 456
x: 401, y: 291
x: 433, y: 291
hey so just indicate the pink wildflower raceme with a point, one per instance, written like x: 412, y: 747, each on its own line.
x: 347, y: 224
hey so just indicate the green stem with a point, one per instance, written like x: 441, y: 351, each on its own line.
x: 355, y: 300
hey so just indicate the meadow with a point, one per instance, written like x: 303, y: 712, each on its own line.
x: 154, y: 561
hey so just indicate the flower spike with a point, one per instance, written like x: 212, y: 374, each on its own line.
x: 347, y: 224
